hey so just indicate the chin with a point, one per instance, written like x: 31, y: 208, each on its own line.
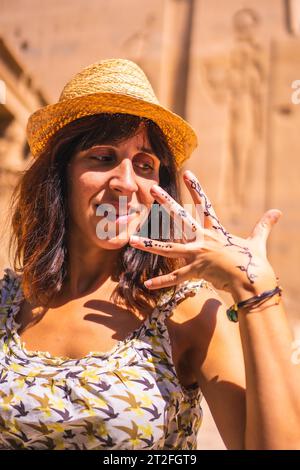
x: 113, y: 244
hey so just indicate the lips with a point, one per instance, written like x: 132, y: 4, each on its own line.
x: 128, y: 211
x: 125, y: 218
x: 118, y: 218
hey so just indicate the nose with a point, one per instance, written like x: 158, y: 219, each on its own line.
x: 124, y: 181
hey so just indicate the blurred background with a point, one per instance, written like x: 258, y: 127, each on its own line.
x: 226, y: 67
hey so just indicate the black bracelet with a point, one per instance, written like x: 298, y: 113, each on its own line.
x: 232, y: 312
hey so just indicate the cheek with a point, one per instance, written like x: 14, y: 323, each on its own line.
x: 84, y: 186
x: 145, y: 198
x: 145, y: 186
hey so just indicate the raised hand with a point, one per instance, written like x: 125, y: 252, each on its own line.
x: 216, y: 255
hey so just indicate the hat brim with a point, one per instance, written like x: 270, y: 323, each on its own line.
x: 45, y: 122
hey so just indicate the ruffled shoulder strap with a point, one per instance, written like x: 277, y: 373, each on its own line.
x: 169, y: 300
x: 10, y: 292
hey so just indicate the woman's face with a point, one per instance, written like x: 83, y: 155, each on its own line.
x: 116, y: 178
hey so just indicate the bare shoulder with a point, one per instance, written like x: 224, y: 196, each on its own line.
x: 212, y: 337
x: 201, y: 311
x: 215, y: 355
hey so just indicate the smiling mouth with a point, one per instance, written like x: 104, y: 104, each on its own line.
x: 115, y: 215
x: 125, y: 218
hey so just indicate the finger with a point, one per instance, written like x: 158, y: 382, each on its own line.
x: 187, y: 226
x: 194, y: 188
x: 171, y: 279
x: 264, y: 226
x: 157, y: 247
x: 211, y: 220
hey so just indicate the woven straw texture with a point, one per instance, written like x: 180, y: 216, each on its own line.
x: 110, y: 86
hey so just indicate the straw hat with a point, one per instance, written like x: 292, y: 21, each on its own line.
x: 110, y: 86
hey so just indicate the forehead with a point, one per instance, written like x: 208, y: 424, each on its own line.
x: 138, y: 139
x: 141, y: 135
x: 118, y: 137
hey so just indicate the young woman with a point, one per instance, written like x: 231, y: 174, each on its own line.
x: 92, y: 354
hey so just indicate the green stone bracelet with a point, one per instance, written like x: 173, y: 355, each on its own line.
x: 232, y: 312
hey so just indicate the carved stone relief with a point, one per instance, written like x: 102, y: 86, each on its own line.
x: 239, y: 81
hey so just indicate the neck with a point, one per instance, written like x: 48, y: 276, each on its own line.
x: 89, y: 267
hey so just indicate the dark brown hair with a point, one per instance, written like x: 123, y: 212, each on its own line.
x: 40, y: 217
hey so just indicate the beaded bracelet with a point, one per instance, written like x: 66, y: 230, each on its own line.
x: 232, y: 312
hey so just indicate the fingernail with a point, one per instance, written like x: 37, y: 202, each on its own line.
x: 276, y: 215
x: 155, y: 188
x: 134, y: 239
x: 148, y: 283
x: 188, y: 174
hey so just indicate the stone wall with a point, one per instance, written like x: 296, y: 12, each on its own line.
x: 19, y: 98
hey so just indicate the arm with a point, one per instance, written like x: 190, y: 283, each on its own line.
x: 250, y: 384
x: 216, y: 358
x: 240, y: 267
x: 272, y: 379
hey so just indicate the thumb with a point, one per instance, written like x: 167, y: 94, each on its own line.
x: 264, y: 226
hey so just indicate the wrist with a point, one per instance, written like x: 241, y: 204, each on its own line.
x: 241, y: 289
x: 260, y: 299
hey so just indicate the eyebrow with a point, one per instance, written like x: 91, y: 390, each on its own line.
x: 147, y: 150
x: 141, y: 149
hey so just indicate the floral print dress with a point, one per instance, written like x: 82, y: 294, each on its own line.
x: 127, y: 398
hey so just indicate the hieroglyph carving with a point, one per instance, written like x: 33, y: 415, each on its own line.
x: 239, y: 80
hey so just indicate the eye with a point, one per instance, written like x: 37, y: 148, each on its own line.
x: 144, y: 163
x: 145, y: 166
x: 102, y: 158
